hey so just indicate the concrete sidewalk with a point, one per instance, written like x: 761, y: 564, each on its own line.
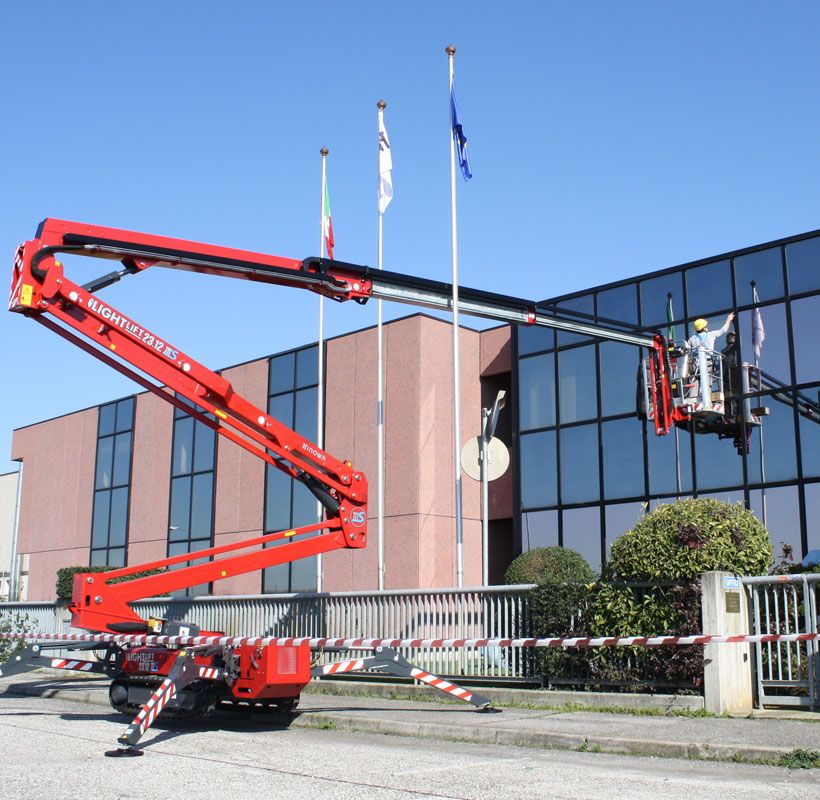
x: 748, y: 739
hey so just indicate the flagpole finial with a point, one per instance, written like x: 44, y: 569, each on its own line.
x: 450, y: 50
x: 324, y: 151
x: 381, y: 105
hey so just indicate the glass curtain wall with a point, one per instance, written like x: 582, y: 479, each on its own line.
x: 112, y: 484
x: 193, y: 474
x: 292, y: 399
x: 587, y: 467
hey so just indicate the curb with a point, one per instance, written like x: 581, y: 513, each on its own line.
x: 548, y: 741
x: 525, y: 698
x: 508, y: 737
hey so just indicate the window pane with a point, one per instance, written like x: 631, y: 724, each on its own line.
x: 808, y: 408
x: 669, y: 455
x: 532, y: 339
x: 782, y: 518
x: 539, y: 529
x: 116, y: 557
x: 122, y: 459
x: 717, y: 462
x: 119, y: 517
x: 107, y: 417
x: 281, y: 373
x: 585, y: 304
x: 620, y: 518
x: 653, y: 298
x: 202, y: 506
x: 125, y: 415
x: 803, y: 265
x: 536, y: 387
x: 812, y: 491
x: 538, y: 470
x: 307, y: 367
x: 774, y: 352
x: 765, y: 268
x: 306, y: 408
x: 99, y: 558
x: 281, y: 409
x: 734, y: 497
x: 576, y: 384
x: 99, y: 527
x: 709, y: 288
x: 622, y: 446
x: 582, y: 533
x: 779, y: 458
x: 304, y: 506
x: 277, y: 500
x: 619, y: 371
x: 806, y: 333
x: 303, y: 575
x: 204, y: 448
x: 619, y: 304
x: 275, y: 580
x: 105, y: 455
x: 183, y: 446
x: 180, y: 508
x: 579, y: 464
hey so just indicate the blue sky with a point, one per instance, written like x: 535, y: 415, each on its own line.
x: 607, y: 139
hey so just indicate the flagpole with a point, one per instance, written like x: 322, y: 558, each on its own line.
x: 671, y: 332
x: 451, y: 51
x: 763, y: 509
x: 381, y: 105
x: 320, y: 395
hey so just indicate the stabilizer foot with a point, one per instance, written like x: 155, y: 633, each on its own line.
x: 124, y: 752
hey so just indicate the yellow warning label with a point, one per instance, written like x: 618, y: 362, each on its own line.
x: 221, y: 414
x: 25, y: 294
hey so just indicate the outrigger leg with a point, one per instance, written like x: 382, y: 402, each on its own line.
x: 391, y: 662
x: 183, y: 672
x: 32, y: 657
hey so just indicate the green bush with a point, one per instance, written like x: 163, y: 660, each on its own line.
x: 65, y: 578
x: 549, y: 565
x: 681, y: 540
x: 12, y: 623
x: 556, y: 606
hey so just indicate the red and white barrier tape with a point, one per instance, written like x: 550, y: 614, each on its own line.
x: 263, y: 641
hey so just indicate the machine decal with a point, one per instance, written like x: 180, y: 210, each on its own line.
x: 123, y: 323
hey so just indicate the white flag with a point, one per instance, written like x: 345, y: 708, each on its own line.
x: 385, y: 168
x: 758, y: 331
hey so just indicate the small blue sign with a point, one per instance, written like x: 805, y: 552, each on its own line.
x: 731, y: 582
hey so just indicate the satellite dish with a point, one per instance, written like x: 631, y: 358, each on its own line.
x: 498, y: 458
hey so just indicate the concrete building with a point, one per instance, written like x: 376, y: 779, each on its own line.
x: 8, y: 514
x: 136, y: 480
x: 92, y: 495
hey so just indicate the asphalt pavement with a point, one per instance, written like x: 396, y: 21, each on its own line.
x: 762, y: 739
x: 53, y: 747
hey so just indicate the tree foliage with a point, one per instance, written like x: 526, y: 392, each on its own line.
x: 679, y: 541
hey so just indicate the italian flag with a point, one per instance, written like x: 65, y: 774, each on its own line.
x: 327, y: 224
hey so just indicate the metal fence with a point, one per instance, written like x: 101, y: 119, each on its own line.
x: 490, y: 611
x: 788, y: 673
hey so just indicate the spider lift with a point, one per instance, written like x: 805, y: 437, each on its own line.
x: 194, y: 679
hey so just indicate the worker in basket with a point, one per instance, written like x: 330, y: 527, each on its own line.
x: 701, y: 348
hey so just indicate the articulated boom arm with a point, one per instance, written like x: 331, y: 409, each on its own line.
x: 41, y: 291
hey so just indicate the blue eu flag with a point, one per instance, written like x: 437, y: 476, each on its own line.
x: 458, y: 134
